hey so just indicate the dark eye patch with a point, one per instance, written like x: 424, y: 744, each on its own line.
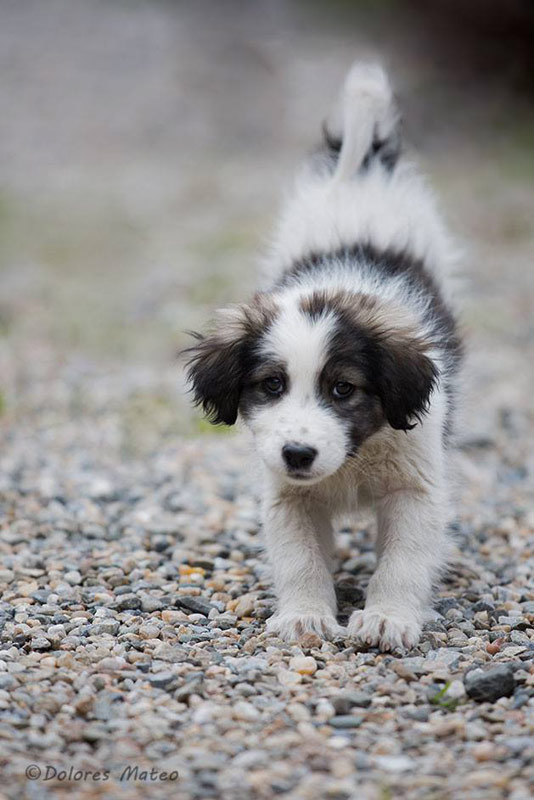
x: 343, y: 388
x: 264, y: 384
x: 343, y: 376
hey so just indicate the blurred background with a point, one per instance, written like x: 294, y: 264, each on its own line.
x: 145, y: 145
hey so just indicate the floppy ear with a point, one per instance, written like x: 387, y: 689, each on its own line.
x: 406, y: 379
x: 215, y: 366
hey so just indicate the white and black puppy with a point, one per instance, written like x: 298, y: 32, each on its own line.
x: 344, y: 371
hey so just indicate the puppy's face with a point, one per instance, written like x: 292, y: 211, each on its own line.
x: 308, y: 405
x: 312, y: 376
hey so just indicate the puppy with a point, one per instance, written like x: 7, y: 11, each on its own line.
x: 344, y: 370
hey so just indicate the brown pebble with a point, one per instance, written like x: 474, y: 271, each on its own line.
x: 309, y: 640
x: 403, y: 672
x: 494, y: 647
x: 84, y: 706
x: 485, y: 751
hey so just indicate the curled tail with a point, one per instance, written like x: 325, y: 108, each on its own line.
x: 365, y: 123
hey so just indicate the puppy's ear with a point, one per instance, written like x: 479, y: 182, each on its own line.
x: 216, y: 363
x: 407, y: 377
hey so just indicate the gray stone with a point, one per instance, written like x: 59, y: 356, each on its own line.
x: 193, y: 604
x: 344, y: 702
x: 345, y: 721
x: 127, y: 602
x: 418, y: 714
x: 445, y: 604
x: 41, y: 643
x: 490, y: 684
x: 224, y: 622
x: 41, y: 595
x: 150, y: 604
x: 395, y: 764
x: 162, y: 680
x: 445, y: 655
x: 110, y: 626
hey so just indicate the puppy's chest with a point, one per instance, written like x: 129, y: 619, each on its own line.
x: 379, y: 467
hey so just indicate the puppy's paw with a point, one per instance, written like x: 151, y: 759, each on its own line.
x: 291, y: 625
x: 388, y: 630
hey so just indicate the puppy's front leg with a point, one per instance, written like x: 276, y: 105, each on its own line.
x: 299, y: 541
x: 411, y: 550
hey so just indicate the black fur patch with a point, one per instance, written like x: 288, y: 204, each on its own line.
x: 394, y: 364
x: 215, y: 372
x: 220, y: 361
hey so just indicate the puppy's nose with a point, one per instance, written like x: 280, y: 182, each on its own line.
x: 298, y: 456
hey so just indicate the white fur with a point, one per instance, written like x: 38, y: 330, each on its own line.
x: 365, y: 110
x: 397, y: 211
x: 402, y: 474
x: 297, y: 417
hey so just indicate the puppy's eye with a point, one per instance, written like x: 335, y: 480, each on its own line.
x: 342, y: 389
x: 273, y: 385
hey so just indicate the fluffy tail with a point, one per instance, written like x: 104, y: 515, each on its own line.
x: 365, y: 122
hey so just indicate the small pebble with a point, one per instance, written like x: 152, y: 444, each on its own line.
x: 305, y: 665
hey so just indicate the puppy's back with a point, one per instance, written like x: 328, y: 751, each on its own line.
x: 360, y: 189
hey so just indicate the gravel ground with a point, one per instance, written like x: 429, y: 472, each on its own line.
x: 133, y: 589
x: 133, y: 604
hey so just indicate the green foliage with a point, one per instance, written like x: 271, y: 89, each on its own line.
x: 204, y: 428
x: 440, y: 699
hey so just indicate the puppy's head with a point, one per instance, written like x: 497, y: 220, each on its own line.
x: 312, y: 375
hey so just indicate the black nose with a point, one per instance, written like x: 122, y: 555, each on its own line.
x: 298, y: 456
